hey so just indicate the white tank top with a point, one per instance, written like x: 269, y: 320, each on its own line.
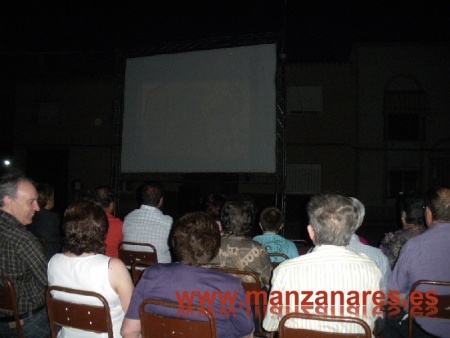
x: 85, y: 273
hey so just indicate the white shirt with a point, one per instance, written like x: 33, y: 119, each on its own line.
x: 328, y: 269
x: 149, y: 225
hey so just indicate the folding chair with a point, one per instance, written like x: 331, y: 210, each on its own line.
x: 8, y: 302
x: 422, y: 309
x: 137, y: 269
x: 95, y: 318
x: 278, y: 255
x: 254, y: 294
x: 155, y: 325
x: 287, y: 332
x: 302, y: 246
x: 129, y: 256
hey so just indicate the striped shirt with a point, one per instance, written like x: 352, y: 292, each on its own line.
x: 322, y: 276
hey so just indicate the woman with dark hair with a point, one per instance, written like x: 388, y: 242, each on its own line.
x: 413, y: 222
x: 238, y: 251
x: 82, y: 264
x: 195, y: 240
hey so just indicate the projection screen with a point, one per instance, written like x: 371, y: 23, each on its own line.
x: 202, y: 111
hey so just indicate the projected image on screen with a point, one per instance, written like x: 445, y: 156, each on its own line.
x: 203, y: 111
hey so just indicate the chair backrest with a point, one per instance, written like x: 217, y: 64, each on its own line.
x: 256, y: 297
x: 42, y: 242
x: 95, y: 318
x: 277, y: 255
x: 442, y: 308
x: 137, y: 269
x: 129, y: 256
x: 8, y: 301
x: 154, y: 325
x: 302, y: 246
x: 286, y: 332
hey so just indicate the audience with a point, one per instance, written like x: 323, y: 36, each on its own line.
x: 214, y: 204
x: 236, y: 250
x: 82, y: 264
x: 22, y: 258
x: 374, y: 253
x: 106, y: 197
x: 412, y: 217
x: 196, y: 240
x: 331, y: 267
x: 271, y: 222
x: 424, y: 257
x: 46, y: 224
x: 148, y: 224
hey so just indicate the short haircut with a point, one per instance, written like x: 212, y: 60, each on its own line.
x: 332, y: 217
x: 195, y: 239
x: 9, y: 184
x: 45, y: 193
x: 104, y: 195
x: 412, y: 205
x: 360, y: 212
x: 85, y: 227
x: 150, y: 193
x: 271, y: 219
x: 438, y: 200
x: 238, y: 214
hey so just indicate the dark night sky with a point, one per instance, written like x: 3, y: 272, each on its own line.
x: 318, y: 30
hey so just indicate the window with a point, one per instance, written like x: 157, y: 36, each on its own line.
x: 405, y: 107
x: 402, y: 181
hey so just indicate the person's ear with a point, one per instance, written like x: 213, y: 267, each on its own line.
x: 428, y: 217
x: 312, y: 233
x: 261, y: 227
x: 161, y: 201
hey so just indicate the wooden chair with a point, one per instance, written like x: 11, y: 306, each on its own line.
x: 286, y: 332
x: 282, y: 255
x: 423, y: 309
x: 95, y: 318
x: 302, y: 246
x: 129, y: 256
x: 254, y: 295
x: 8, y: 302
x: 154, y: 325
x: 137, y: 269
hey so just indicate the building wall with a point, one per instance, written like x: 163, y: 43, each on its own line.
x: 427, y: 66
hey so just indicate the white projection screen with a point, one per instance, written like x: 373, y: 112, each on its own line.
x: 202, y: 111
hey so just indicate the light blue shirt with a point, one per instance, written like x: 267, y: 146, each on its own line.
x: 277, y: 244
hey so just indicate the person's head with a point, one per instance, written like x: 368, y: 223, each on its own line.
x: 437, y: 206
x: 411, y: 209
x: 238, y: 214
x: 214, y: 203
x: 18, y: 197
x: 85, y: 227
x: 332, y: 218
x: 271, y: 219
x: 151, y: 194
x: 105, y: 196
x: 195, y: 239
x: 360, y: 210
x: 46, y: 196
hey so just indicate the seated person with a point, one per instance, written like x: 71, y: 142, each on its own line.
x: 195, y: 241
x: 330, y: 269
x: 413, y: 222
x: 238, y: 251
x: 82, y: 264
x: 271, y: 222
x: 46, y: 224
x: 105, y: 196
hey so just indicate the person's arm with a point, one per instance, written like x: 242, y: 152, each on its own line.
x: 131, y: 328
x: 120, y: 281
